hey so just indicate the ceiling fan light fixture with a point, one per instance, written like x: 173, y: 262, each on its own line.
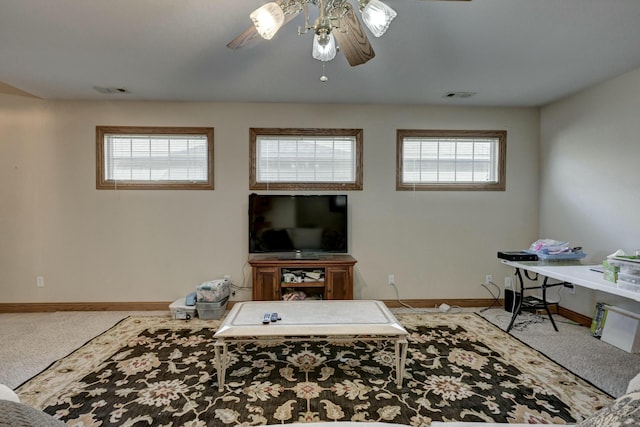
x: 324, y: 47
x: 268, y: 19
x: 377, y: 16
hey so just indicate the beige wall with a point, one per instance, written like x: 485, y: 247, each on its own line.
x: 101, y: 246
x: 590, y: 175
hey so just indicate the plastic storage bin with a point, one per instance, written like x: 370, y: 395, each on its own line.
x: 629, y: 286
x: 631, y: 278
x: 179, y: 310
x: 211, y: 310
x: 213, y: 291
x: 631, y: 265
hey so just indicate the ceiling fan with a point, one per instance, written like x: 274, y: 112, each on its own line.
x: 336, y: 26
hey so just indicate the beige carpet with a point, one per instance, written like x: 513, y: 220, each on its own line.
x: 33, y: 341
x: 601, y: 363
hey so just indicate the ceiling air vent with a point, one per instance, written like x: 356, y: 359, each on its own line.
x: 110, y: 90
x: 459, y: 94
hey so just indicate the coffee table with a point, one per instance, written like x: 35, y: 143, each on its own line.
x: 347, y: 320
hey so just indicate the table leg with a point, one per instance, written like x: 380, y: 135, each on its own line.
x: 517, y: 297
x: 544, y: 301
x: 220, y: 349
x: 401, y: 345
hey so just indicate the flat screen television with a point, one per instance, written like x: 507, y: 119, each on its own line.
x: 307, y: 224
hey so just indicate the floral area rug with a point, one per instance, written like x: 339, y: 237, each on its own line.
x: 155, y: 371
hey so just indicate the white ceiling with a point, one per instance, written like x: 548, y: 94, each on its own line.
x: 511, y: 52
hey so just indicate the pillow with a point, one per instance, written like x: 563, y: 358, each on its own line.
x: 18, y: 415
x: 7, y: 394
x: 634, y: 384
x: 623, y: 412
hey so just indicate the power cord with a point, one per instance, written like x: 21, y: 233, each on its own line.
x: 234, y: 287
x: 402, y: 303
x: 495, y: 298
x: 456, y: 309
x: 526, y: 319
x: 529, y: 319
x: 446, y: 308
x: 442, y: 308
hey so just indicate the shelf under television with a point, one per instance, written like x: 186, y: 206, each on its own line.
x: 302, y: 285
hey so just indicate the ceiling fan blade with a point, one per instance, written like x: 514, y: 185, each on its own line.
x: 250, y: 36
x: 352, y: 40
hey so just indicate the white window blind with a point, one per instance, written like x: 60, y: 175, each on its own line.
x: 427, y: 160
x: 310, y: 159
x: 138, y: 157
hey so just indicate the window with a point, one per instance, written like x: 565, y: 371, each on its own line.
x: 154, y: 158
x: 451, y: 160
x: 305, y: 159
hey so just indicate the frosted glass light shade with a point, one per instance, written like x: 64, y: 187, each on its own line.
x: 377, y: 16
x: 324, y: 51
x: 268, y: 19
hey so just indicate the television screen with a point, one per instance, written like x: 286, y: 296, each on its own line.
x: 290, y: 223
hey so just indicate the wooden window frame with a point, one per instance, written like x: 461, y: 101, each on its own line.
x: 500, y: 135
x: 281, y: 185
x: 104, y: 184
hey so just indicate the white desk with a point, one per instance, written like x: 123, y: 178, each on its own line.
x: 575, y: 274
x: 579, y: 275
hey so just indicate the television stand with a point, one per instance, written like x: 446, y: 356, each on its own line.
x: 327, y: 277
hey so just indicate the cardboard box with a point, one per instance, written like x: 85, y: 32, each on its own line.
x: 622, y: 329
x: 599, y: 319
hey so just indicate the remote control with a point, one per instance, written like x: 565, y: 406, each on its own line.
x: 266, y: 318
x: 274, y: 317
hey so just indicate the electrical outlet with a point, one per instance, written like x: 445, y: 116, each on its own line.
x: 40, y: 281
x: 392, y: 279
x: 507, y: 282
x: 488, y: 279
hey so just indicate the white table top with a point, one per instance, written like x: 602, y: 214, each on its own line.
x: 305, y: 318
x: 578, y: 274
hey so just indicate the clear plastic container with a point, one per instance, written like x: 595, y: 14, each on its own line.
x: 179, y: 310
x: 627, y: 266
x: 633, y: 287
x: 631, y: 278
x: 211, y: 310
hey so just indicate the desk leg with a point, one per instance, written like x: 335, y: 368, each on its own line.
x: 518, y: 296
x: 546, y: 306
x: 220, y: 349
x: 401, y: 358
